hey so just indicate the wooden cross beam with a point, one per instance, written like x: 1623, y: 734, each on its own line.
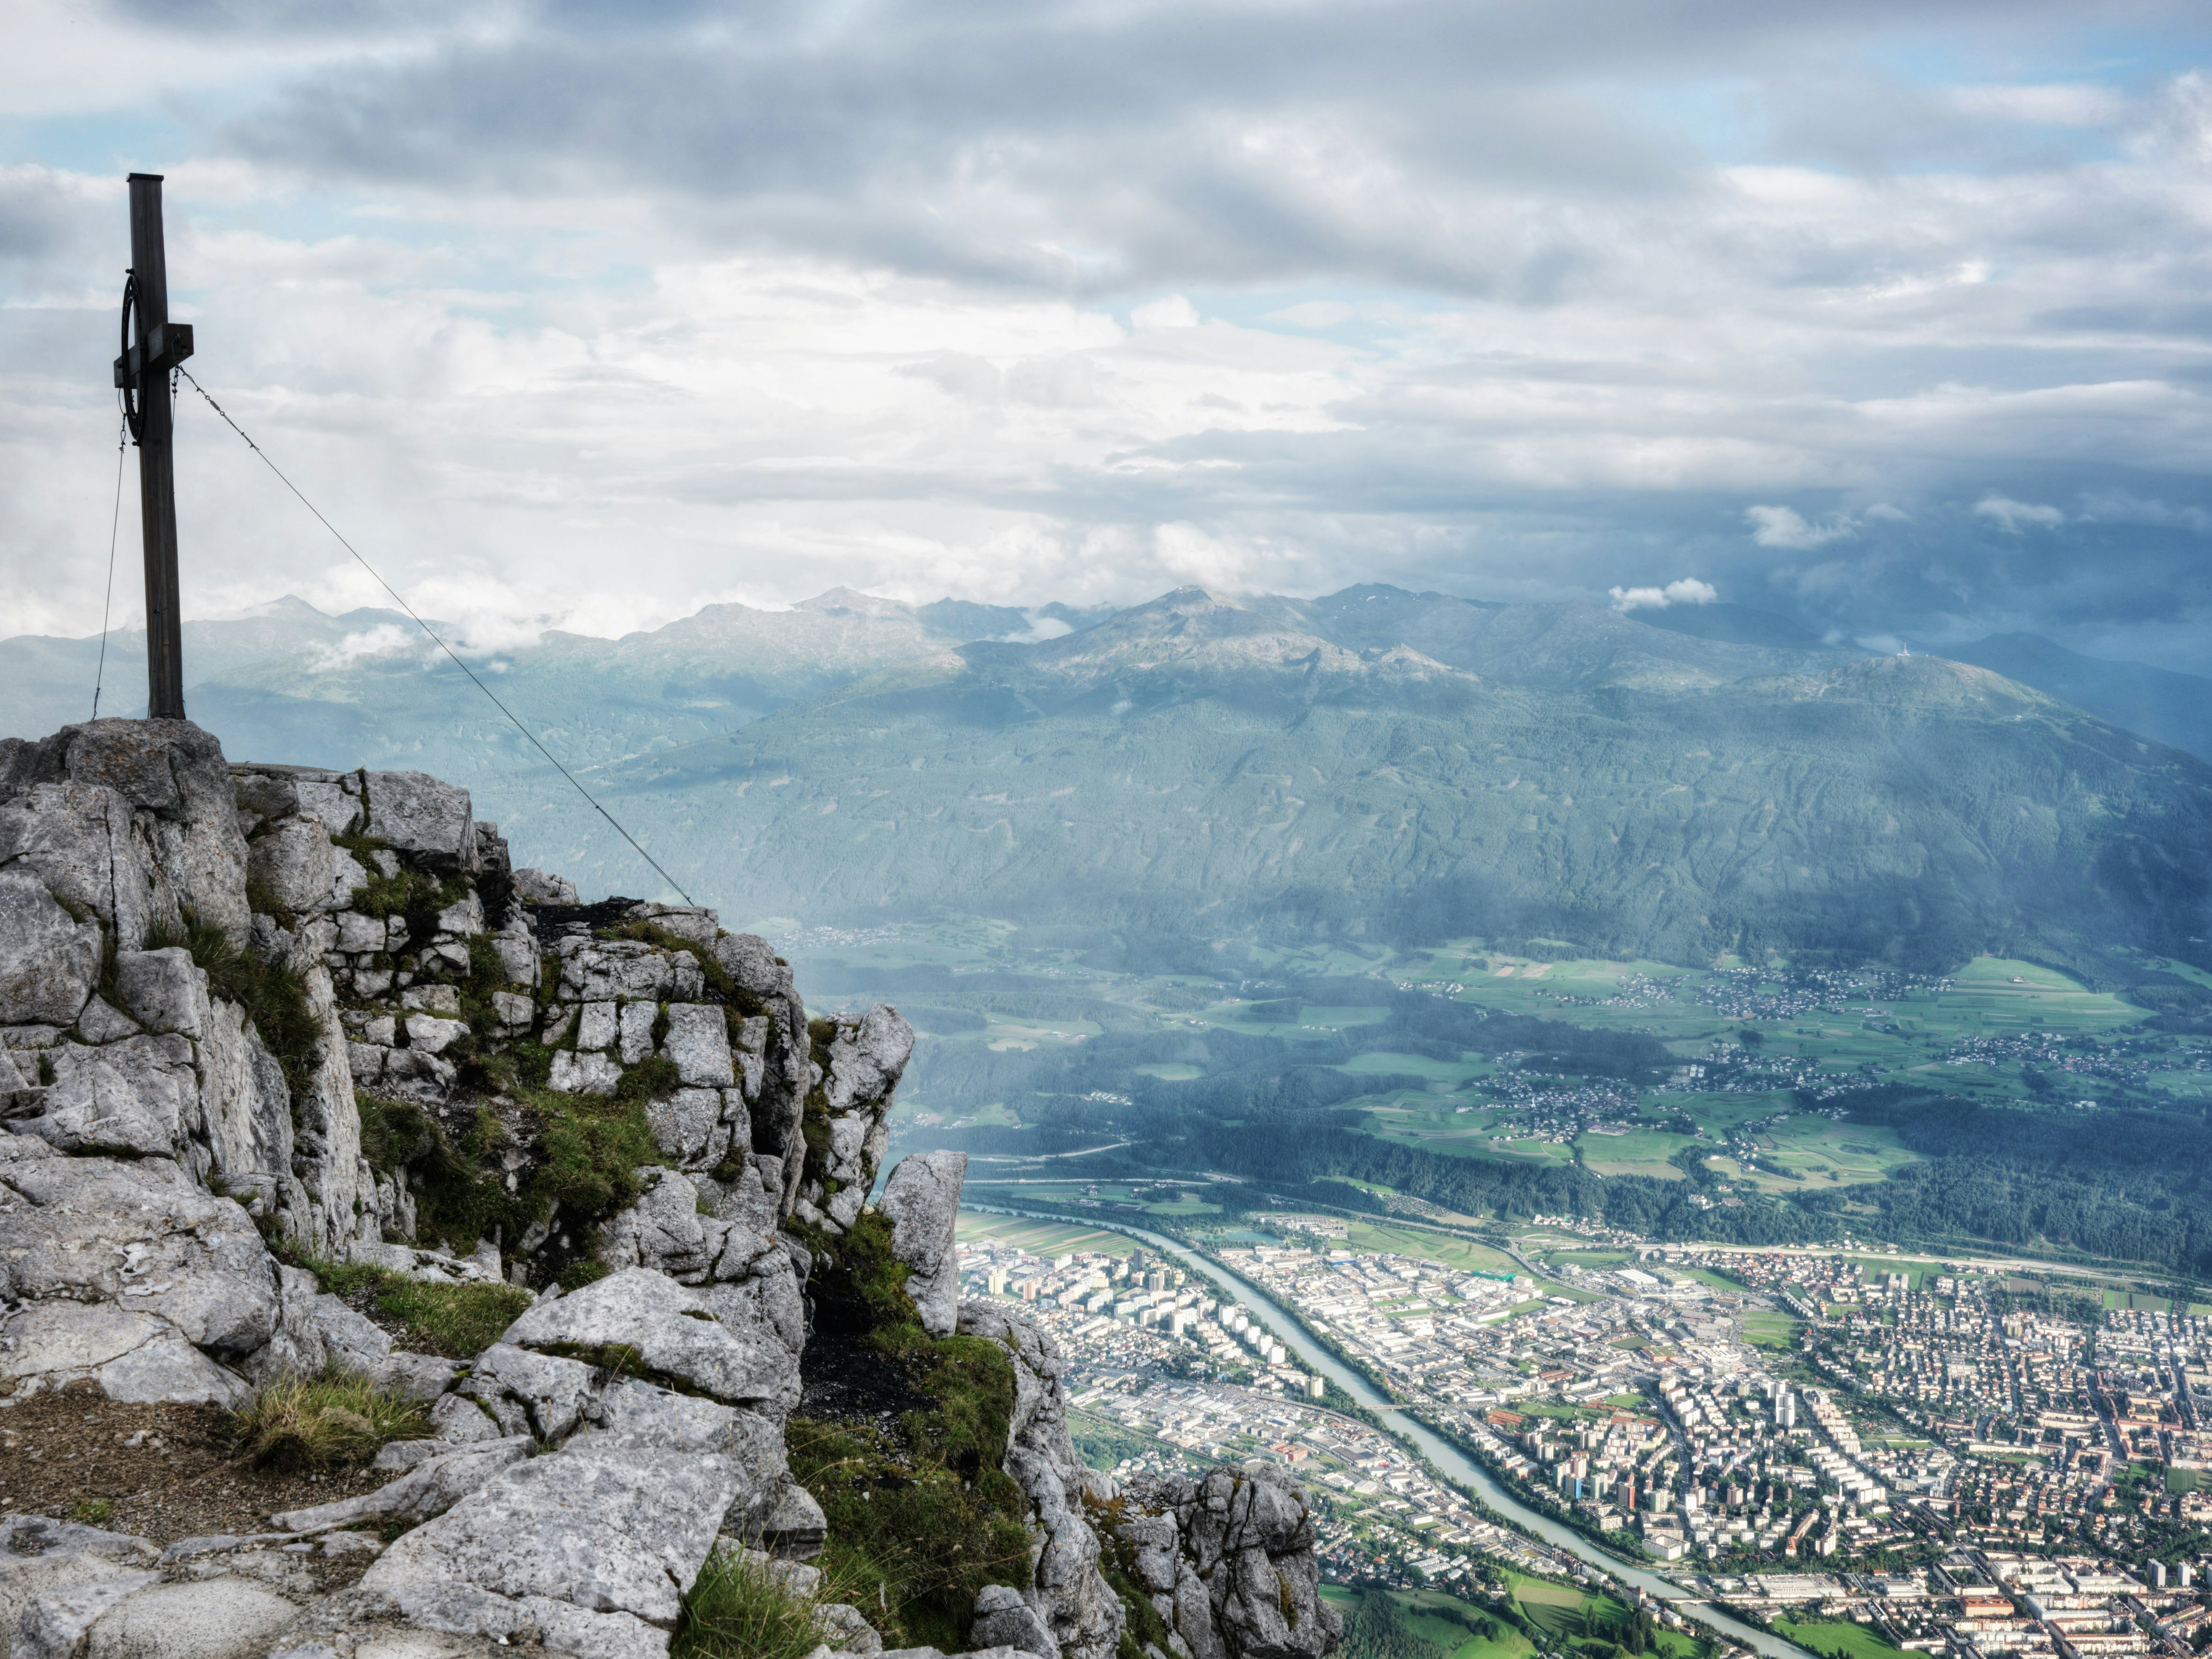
x: 152, y: 346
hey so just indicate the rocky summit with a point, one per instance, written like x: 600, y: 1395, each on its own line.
x: 402, y: 1258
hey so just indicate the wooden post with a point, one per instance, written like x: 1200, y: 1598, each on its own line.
x: 144, y: 368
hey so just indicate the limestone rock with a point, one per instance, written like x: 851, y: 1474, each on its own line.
x: 675, y: 1334
x: 583, y: 1073
x: 693, y: 923
x: 433, y: 1035
x: 606, y: 1526
x: 636, y: 1023
x: 225, y: 1617
x: 430, y: 1267
x: 76, y: 1572
x: 866, y: 1056
x: 534, y: 886
x: 553, y: 1393
x: 796, y: 1529
x: 777, y: 1080
x: 83, y: 844
x: 416, y: 813
x: 699, y: 1043
x: 1078, y: 1607
x: 689, y: 1127
x: 101, y: 1023
x: 1004, y: 1620
x: 126, y: 1269
x: 921, y: 1201
x: 164, y: 990
x: 294, y: 859
x: 418, y: 1376
x: 132, y: 1097
x: 172, y: 777
x: 1246, y: 1582
x: 339, y: 1211
x: 435, y: 1485
x: 129, y: 1356
x: 48, y: 959
x: 601, y: 970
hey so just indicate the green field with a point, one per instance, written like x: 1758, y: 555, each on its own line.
x: 1023, y: 1051
x: 1819, y: 1150
x: 1771, y: 1330
x: 1040, y: 1237
x: 1836, y: 1640
x: 1567, y: 1615
x: 1386, y: 1240
x: 1427, y: 1615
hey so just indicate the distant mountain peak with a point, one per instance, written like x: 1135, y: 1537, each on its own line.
x: 846, y: 598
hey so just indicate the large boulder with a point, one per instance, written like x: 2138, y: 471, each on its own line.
x: 81, y: 840
x: 777, y: 1070
x: 921, y: 1201
x: 49, y: 960
x: 295, y: 862
x: 184, y: 808
x: 670, y: 1333
x: 126, y: 1273
x: 606, y: 1527
x: 417, y: 814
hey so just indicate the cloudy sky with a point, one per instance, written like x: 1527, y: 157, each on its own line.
x: 599, y: 312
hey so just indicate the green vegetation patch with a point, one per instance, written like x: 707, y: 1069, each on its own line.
x: 922, y: 1515
x: 1836, y: 1640
x: 458, y: 1320
x: 585, y: 1153
x: 338, y: 1419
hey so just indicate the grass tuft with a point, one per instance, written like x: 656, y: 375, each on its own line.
x: 735, y: 1611
x: 338, y: 1419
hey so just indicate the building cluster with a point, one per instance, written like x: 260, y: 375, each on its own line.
x: 1114, y: 1311
x: 1904, y: 1449
x: 1976, y: 1602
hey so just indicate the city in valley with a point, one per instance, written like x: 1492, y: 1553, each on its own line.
x: 1858, y: 1451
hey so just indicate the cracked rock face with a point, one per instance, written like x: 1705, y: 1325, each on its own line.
x: 128, y: 1274
x: 1229, y: 1562
x: 1067, y: 1591
x: 171, y: 776
x: 860, y: 1067
x: 608, y: 1528
x: 922, y: 1201
x: 675, y: 1332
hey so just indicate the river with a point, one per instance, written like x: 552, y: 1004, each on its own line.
x: 1448, y: 1458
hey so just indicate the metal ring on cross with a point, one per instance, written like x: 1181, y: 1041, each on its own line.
x: 132, y: 414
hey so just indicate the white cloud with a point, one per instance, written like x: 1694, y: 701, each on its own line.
x: 386, y: 639
x: 1687, y: 591
x: 506, y: 313
x: 1784, y: 526
x: 1173, y: 312
x: 2013, y: 517
x: 2062, y: 104
x: 2120, y: 506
